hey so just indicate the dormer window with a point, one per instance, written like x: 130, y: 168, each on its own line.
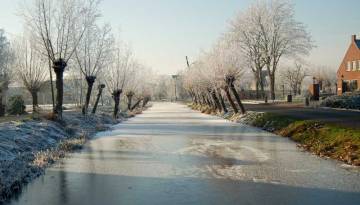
x: 348, y: 68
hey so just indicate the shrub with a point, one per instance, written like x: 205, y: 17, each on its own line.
x: 351, y: 101
x: 16, y: 105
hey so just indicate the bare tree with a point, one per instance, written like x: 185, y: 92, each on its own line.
x: 92, y: 55
x: 232, y: 68
x: 221, y: 68
x: 30, y: 66
x: 293, y: 76
x: 6, y: 57
x: 244, y: 35
x: 119, y: 71
x: 99, y: 95
x: 281, y: 35
x: 59, y: 26
x: 326, y: 77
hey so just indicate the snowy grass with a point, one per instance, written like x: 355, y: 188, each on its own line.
x: 28, y: 146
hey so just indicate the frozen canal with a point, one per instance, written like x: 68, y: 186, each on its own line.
x: 172, y: 155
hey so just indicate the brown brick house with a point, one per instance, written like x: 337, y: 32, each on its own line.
x: 348, y: 75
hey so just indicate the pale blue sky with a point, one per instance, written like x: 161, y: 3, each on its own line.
x: 163, y: 32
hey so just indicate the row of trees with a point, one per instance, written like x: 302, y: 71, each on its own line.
x: 62, y: 35
x: 256, y: 41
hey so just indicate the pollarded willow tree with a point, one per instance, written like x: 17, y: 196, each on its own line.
x: 92, y: 55
x: 58, y: 26
x: 30, y: 66
x: 141, y: 86
x: 216, y: 72
x: 120, y: 69
x: 133, y: 85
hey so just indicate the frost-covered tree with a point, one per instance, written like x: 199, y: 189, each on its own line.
x: 266, y: 32
x: 92, y: 55
x: 58, y: 27
x: 6, y: 57
x: 293, y: 76
x: 30, y: 66
x: 281, y: 35
x: 245, y: 35
x: 216, y: 71
x: 120, y: 70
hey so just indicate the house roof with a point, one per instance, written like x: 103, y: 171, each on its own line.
x: 357, y: 42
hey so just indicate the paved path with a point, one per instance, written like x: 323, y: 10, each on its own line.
x: 340, y: 117
x: 172, y: 155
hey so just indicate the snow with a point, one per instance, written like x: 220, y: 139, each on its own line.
x: 21, y: 142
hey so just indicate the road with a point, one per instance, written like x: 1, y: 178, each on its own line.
x: 172, y: 155
x: 339, y: 117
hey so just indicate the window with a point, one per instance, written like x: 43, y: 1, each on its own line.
x: 353, y: 85
x: 358, y: 65
x: 354, y: 66
x: 350, y: 86
x: 348, y: 68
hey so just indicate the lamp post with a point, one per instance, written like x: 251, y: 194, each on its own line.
x: 175, y: 77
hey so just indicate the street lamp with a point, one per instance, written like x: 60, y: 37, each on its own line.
x: 175, y: 77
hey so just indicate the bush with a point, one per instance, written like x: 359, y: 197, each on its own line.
x: 350, y: 101
x: 16, y: 105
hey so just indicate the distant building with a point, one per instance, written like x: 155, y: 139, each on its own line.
x: 348, y: 75
x: 71, y: 92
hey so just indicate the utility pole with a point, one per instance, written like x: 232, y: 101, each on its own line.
x: 175, y: 77
x: 187, y: 62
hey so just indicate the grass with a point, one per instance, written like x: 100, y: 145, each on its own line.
x: 14, y: 118
x: 202, y: 108
x: 323, y: 139
x: 48, y: 157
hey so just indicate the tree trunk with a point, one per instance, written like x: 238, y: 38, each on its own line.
x: 101, y: 87
x: 52, y: 86
x: 90, y: 80
x: 237, y: 98
x: 202, y: 99
x: 3, y: 93
x: 216, y: 100
x: 2, y: 107
x: 35, y: 104
x: 59, y: 68
x: 261, y: 83
x: 195, y: 99
x: 222, y: 102
x: 116, y: 96
x: 257, y: 82
x: 227, y: 92
x: 129, y: 97
x: 81, y: 90
x: 145, y: 101
x: 272, y: 86
x: 210, y: 101
x: 206, y: 100
x: 136, y: 104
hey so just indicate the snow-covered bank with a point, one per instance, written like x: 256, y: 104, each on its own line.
x: 27, y: 147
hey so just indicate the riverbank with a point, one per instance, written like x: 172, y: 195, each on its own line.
x: 321, y: 138
x: 28, y: 146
